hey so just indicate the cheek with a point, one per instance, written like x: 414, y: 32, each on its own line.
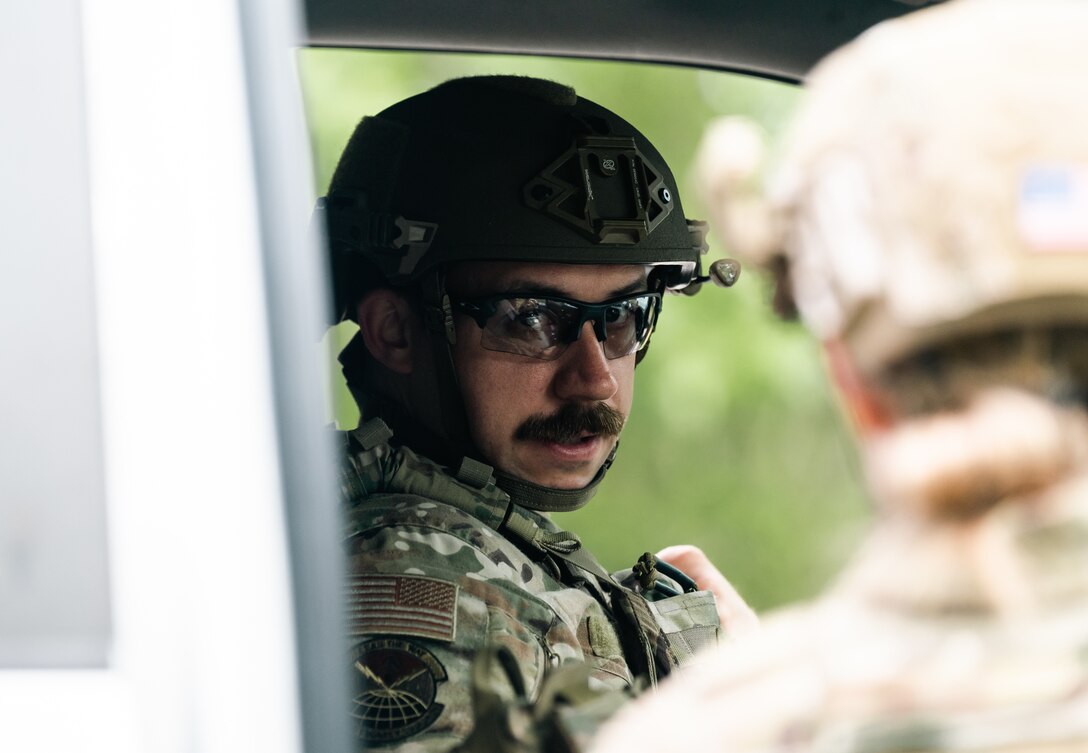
x: 498, y: 390
x: 624, y: 374
x: 471, y: 373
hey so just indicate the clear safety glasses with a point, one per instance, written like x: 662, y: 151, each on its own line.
x: 542, y: 326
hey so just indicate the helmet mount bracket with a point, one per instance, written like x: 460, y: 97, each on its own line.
x: 603, y: 187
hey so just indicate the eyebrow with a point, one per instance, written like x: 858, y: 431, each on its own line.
x: 638, y: 285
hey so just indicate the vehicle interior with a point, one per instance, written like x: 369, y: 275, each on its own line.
x: 779, y: 38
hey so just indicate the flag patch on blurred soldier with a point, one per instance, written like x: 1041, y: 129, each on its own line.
x: 1053, y: 208
x: 402, y: 604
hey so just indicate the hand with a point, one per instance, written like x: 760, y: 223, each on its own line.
x: 736, y: 616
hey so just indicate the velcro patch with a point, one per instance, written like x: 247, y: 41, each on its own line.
x: 402, y: 605
x: 602, y: 638
x: 396, y: 683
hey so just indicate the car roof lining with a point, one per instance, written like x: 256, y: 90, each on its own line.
x: 778, y: 39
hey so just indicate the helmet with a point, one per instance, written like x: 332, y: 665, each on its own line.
x: 501, y: 168
x: 935, y: 182
x: 495, y: 168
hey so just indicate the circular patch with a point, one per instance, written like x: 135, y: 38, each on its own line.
x: 396, y: 682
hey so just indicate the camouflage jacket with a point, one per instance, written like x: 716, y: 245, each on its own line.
x: 941, y: 636
x: 442, y: 569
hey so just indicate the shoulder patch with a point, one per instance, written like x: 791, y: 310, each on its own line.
x: 402, y: 605
x: 395, y: 684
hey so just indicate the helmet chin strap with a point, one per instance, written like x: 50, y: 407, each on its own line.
x: 546, y: 499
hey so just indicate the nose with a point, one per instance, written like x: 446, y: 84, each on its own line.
x: 584, y: 372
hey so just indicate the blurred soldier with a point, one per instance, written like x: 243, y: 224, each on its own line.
x: 930, y: 225
x: 504, y: 246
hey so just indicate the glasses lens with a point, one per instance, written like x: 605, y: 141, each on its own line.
x: 626, y: 326
x: 542, y: 327
x: 536, y: 327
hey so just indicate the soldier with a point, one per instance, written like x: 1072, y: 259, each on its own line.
x: 504, y: 246
x: 930, y: 219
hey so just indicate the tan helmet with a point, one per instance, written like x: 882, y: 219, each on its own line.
x: 934, y: 183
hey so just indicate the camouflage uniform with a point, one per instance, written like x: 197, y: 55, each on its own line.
x: 442, y: 568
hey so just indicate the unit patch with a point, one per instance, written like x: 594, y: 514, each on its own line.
x: 395, y: 684
x: 402, y: 605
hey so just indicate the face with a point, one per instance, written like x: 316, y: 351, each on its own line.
x: 516, y: 402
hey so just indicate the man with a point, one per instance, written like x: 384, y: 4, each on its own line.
x: 504, y: 246
x: 931, y: 214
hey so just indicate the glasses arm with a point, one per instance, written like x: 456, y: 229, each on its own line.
x: 479, y: 311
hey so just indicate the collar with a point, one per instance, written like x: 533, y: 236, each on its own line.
x: 372, y: 465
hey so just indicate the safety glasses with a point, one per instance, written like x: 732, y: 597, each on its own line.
x: 542, y: 326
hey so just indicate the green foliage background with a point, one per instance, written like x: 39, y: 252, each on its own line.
x: 734, y: 442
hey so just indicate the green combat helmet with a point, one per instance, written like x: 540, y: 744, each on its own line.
x: 494, y: 168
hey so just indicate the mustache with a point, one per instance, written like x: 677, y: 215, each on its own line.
x: 571, y: 422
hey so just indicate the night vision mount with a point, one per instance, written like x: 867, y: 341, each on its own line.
x: 604, y: 188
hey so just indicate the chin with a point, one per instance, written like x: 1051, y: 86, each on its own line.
x: 567, y: 484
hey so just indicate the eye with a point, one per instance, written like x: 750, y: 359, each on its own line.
x: 532, y: 318
x: 618, y: 315
x: 529, y: 318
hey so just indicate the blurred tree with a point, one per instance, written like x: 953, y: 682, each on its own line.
x: 734, y: 443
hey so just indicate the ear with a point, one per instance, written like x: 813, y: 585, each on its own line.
x: 867, y: 411
x: 387, y: 323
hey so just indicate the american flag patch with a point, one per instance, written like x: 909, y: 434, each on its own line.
x: 402, y: 605
x: 1052, y: 213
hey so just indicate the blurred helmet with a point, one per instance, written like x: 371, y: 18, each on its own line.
x: 935, y: 184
